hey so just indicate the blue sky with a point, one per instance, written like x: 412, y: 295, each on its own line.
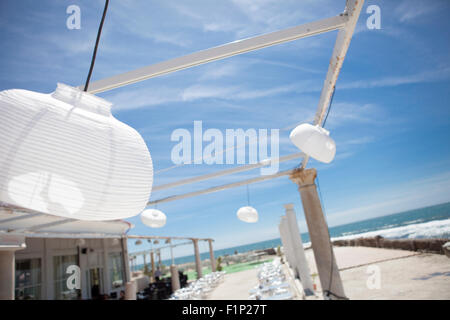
x: 390, y: 114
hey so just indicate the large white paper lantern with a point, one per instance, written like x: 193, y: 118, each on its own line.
x: 248, y: 214
x: 65, y: 154
x: 153, y: 218
x: 315, y: 141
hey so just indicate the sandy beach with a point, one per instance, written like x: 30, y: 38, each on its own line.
x: 403, y: 275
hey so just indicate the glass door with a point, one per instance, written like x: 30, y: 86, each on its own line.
x: 95, y: 283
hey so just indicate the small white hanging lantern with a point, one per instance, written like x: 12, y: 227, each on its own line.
x: 153, y: 218
x: 315, y: 141
x: 65, y: 154
x: 248, y: 214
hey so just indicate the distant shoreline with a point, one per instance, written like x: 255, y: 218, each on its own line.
x: 422, y: 223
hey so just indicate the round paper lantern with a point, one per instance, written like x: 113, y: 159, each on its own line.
x: 138, y: 242
x: 314, y: 141
x: 65, y: 154
x: 248, y: 214
x: 153, y: 218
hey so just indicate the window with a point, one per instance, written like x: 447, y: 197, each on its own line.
x: 116, y: 271
x: 60, y: 264
x: 28, y: 279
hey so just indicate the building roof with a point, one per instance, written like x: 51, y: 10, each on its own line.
x: 18, y: 221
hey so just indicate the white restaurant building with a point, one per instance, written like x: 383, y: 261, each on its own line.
x: 37, y: 249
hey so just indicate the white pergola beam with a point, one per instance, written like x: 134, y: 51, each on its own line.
x: 43, y: 226
x: 220, y: 52
x: 352, y: 10
x: 164, y: 238
x: 65, y: 235
x: 209, y: 176
x: 23, y: 217
x: 221, y: 188
x: 138, y: 253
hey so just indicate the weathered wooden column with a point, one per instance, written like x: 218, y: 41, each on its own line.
x: 330, y: 278
x: 198, y: 262
x: 175, y: 278
x: 126, y: 262
x: 8, y: 246
x: 152, y: 260
x: 211, y: 256
x: 298, y: 250
x: 130, y: 290
x: 145, y: 260
x: 159, y: 259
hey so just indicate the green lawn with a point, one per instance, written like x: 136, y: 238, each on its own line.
x: 192, y: 275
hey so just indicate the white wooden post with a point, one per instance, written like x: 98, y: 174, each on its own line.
x: 298, y: 250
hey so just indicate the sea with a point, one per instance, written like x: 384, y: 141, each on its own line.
x: 428, y: 222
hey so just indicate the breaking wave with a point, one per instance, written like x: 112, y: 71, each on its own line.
x: 431, y: 229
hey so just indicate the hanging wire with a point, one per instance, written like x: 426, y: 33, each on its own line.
x: 328, y: 292
x: 248, y: 196
x: 329, y: 107
x: 96, y: 46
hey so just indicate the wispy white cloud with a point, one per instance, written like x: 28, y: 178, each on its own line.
x: 143, y: 97
x: 412, y: 9
x: 345, y: 113
x: 393, y: 81
x: 148, y: 97
x: 168, y: 32
x: 218, y: 72
x: 244, y: 18
x: 196, y: 92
